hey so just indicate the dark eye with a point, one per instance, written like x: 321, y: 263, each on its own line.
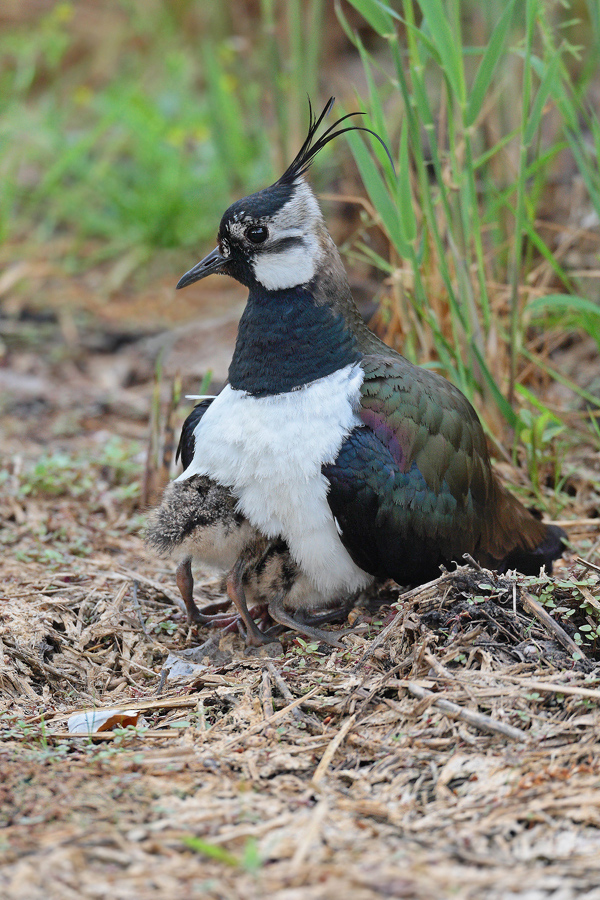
x: 257, y: 233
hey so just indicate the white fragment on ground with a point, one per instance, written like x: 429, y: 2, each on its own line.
x: 93, y: 721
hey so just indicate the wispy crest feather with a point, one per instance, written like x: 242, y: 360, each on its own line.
x: 308, y: 150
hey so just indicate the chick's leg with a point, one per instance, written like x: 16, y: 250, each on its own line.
x: 185, y: 583
x: 336, y: 614
x: 235, y: 591
x: 213, y: 614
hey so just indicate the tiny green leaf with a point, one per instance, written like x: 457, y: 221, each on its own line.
x: 213, y: 851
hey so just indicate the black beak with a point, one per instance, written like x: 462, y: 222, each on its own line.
x: 208, y: 265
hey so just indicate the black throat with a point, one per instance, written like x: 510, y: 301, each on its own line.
x: 285, y: 340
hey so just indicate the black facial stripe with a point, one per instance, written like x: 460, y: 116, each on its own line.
x: 285, y: 242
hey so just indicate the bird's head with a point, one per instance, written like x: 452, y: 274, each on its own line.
x: 273, y: 238
x: 277, y: 238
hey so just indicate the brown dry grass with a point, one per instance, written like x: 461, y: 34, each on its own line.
x: 314, y: 772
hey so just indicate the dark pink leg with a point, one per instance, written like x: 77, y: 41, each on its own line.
x: 235, y: 590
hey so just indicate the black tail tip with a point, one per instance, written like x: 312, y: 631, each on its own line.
x: 529, y: 562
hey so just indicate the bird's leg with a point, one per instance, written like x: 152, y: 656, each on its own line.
x: 185, y: 583
x: 235, y: 591
x: 278, y: 612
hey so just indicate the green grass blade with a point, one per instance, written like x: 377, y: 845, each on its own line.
x: 376, y: 111
x: 587, y: 168
x: 563, y: 303
x: 446, y: 45
x: 379, y: 15
x: 408, y: 221
x: 548, y: 86
x: 568, y: 310
x: 561, y: 379
x: 377, y: 191
x: 503, y: 405
x: 488, y: 64
x: 213, y: 851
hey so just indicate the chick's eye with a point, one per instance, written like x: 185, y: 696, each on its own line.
x: 257, y: 233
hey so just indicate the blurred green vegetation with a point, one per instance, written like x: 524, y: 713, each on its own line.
x: 129, y: 163
x: 140, y: 138
x: 128, y: 133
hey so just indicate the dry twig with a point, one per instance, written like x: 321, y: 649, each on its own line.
x: 477, y: 720
x: 535, y: 607
x: 321, y: 769
x: 280, y: 714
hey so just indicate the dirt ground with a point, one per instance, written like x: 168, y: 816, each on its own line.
x: 451, y: 750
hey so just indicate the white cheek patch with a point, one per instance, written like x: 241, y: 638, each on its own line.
x: 297, y: 264
x: 285, y: 268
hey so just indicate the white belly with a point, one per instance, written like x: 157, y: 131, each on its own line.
x: 269, y: 451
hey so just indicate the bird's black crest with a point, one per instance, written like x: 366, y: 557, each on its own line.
x: 308, y: 150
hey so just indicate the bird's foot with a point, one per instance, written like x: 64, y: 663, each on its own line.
x: 258, y: 638
x: 279, y: 614
x: 213, y: 613
x: 333, y: 615
x: 214, y: 609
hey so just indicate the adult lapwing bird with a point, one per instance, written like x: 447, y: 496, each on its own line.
x: 198, y: 521
x: 363, y: 463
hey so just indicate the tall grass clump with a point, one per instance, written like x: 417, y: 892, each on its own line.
x: 476, y: 130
